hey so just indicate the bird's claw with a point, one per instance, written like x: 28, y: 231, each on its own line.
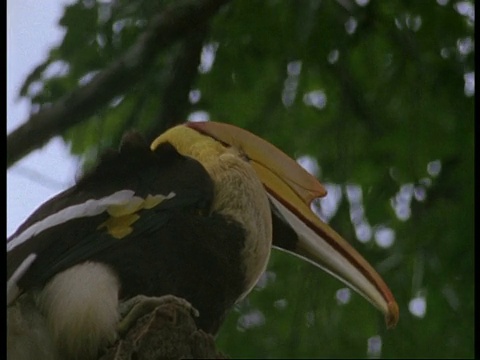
x: 138, y: 306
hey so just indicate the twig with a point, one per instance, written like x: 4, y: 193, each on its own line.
x: 184, y: 71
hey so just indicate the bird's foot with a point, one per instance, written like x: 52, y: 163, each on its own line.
x: 140, y: 305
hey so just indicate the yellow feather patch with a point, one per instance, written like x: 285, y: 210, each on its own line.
x: 152, y: 201
x: 119, y: 227
x: 123, y: 216
x: 133, y: 205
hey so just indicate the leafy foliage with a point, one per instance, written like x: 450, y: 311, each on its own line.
x: 380, y: 95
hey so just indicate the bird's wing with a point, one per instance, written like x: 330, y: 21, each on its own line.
x: 130, y: 192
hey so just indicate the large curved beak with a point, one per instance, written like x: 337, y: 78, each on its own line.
x: 291, y: 190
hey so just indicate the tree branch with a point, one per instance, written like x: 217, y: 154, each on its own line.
x: 183, y: 72
x: 173, y: 23
x: 167, y: 332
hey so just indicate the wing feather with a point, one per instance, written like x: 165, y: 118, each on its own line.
x: 130, y: 193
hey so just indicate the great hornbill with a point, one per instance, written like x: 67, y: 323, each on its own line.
x: 192, y: 215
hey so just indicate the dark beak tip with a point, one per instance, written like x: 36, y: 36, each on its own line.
x: 391, y: 318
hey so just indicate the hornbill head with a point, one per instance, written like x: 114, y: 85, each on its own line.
x: 291, y: 189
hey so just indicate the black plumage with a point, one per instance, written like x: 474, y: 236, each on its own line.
x: 146, y: 261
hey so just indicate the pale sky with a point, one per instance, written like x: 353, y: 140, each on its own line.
x: 31, y: 31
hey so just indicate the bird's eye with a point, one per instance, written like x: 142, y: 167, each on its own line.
x: 243, y: 154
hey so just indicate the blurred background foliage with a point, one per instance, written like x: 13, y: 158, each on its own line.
x: 376, y: 98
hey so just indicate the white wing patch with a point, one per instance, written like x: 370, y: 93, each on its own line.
x: 89, y: 208
x: 121, y: 203
x: 12, y: 287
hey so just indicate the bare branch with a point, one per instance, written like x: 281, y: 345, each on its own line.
x: 173, y: 23
x: 183, y: 72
